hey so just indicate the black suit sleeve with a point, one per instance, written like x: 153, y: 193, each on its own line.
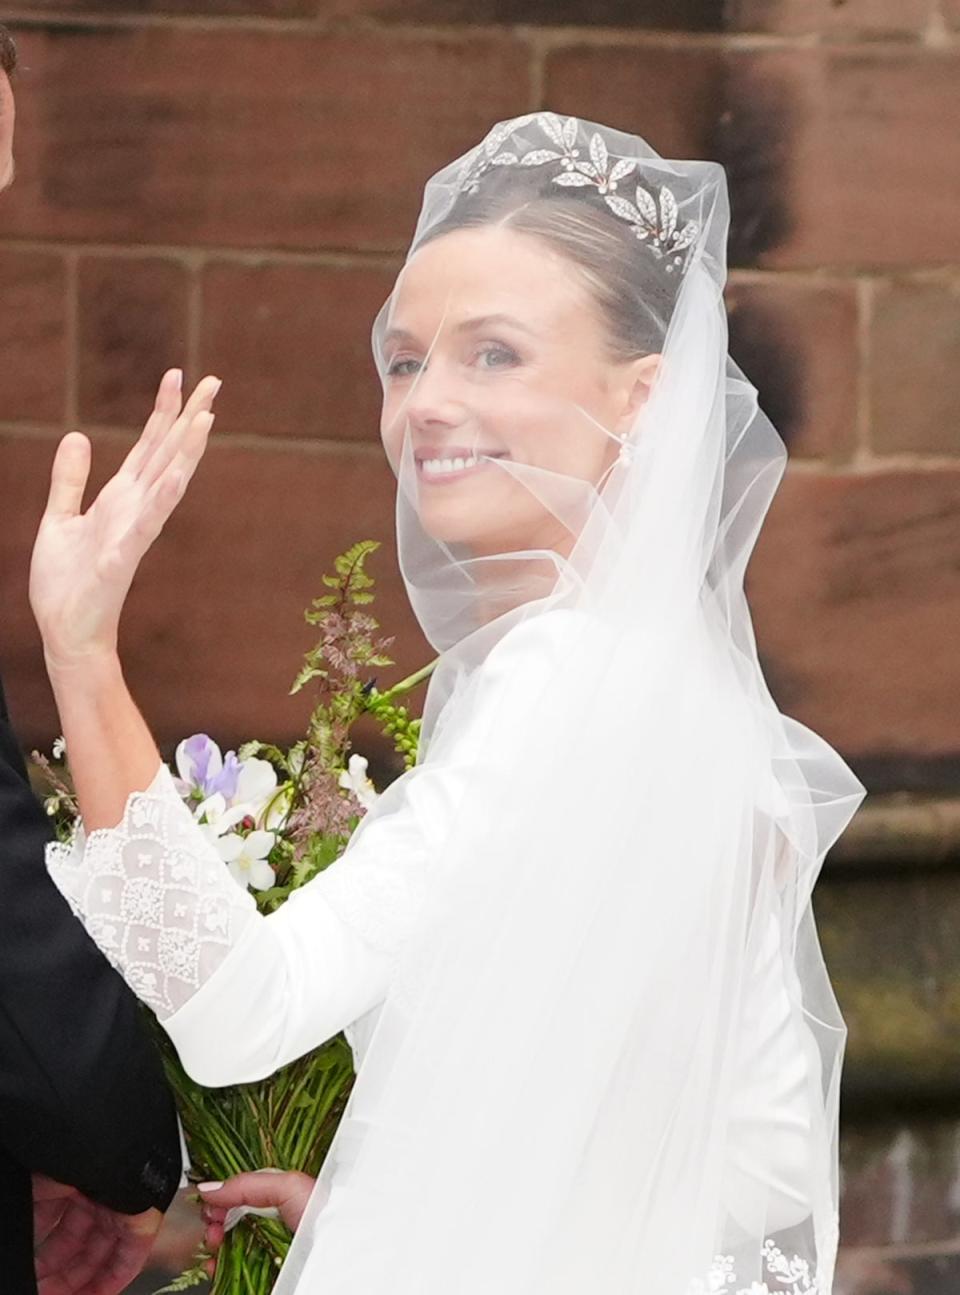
x: 83, y: 1098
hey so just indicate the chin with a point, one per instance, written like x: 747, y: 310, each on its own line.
x: 447, y: 527
x: 488, y: 514
x: 484, y: 536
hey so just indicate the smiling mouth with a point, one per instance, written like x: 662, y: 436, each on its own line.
x: 453, y: 464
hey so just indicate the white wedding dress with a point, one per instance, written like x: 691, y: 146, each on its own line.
x: 573, y: 950
x: 241, y: 994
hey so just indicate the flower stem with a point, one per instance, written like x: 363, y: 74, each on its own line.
x: 408, y: 684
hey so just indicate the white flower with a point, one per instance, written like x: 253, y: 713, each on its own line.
x: 246, y: 858
x: 256, y: 786
x: 210, y: 813
x: 354, y: 779
x: 59, y: 748
x: 256, y: 796
x: 204, y: 770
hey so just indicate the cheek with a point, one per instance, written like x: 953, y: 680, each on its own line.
x: 392, y: 429
x: 560, y: 435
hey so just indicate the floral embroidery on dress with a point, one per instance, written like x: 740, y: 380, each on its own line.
x: 782, y: 1276
x: 155, y: 896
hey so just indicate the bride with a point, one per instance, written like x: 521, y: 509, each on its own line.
x: 573, y: 948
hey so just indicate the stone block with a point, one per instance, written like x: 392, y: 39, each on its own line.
x: 669, y: 95
x: 915, y: 368
x: 797, y: 342
x: 132, y: 325
x: 831, y: 19
x: 33, y: 337
x: 292, y: 344
x: 842, y: 156
x: 237, y: 137
x: 857, y: 608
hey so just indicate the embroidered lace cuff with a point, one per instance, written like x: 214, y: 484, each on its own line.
x: 155, y: 896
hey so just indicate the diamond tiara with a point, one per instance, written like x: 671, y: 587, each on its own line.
x: 654, y: 219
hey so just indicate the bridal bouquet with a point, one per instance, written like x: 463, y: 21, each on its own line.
x: 277, y: 817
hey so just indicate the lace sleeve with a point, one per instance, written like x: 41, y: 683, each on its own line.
x: 155, y: 896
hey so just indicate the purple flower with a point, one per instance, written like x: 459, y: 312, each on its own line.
x: 203, y: 771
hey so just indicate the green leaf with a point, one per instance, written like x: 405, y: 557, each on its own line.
x: 187, y: 1280
x: 263, y: 751
x: 306, y: 675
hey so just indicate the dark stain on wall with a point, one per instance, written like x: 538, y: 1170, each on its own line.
x: 760, y: 346
x: 752, y: 138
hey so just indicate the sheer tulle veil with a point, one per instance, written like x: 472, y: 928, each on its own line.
x: 564, y: 1091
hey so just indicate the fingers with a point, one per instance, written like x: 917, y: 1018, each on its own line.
x: 166, y: 411
x: 95, y: 1251
x: 202, y: 398
x: 50, y: 1202
x: 288, y: 1192
x: 168, y: 444
x: 68, y: 477
x: 160, y: 502
x: 193, y: 446
x: 61, y: 1250
x: 93, y: 1260
x: 213, y: 1235
x: 169, y: 489
x: 258, y: 1188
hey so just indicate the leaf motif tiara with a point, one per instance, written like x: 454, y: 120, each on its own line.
x: 654, y: 220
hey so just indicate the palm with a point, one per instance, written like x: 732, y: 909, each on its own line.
x: 81, y: 569
x: 83, y: 563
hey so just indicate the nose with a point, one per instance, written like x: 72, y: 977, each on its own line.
x: 435, y: 397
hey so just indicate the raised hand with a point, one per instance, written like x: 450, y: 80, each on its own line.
x: 83, y: 1248
x: 84, y: 563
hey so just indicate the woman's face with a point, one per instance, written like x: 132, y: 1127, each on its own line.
x: 496, y: 361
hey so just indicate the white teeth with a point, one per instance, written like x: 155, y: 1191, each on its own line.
x: 443, y: 467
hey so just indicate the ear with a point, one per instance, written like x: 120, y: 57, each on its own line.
x: 638, y: 377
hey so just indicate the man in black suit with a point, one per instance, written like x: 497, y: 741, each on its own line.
x: 86, y: 1118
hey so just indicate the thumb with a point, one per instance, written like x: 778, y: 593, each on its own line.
x: 68, y: 477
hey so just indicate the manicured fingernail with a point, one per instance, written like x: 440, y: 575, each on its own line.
x: 209, y: 1187
x: 216, y: 389
x: 178, y: 376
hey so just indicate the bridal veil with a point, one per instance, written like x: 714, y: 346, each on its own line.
x: 564, y: 1091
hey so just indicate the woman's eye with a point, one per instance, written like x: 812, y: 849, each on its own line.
x: 403, y: 368
x: 497, y: 356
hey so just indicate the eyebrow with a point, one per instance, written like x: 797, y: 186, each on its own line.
x: 466, y: 326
